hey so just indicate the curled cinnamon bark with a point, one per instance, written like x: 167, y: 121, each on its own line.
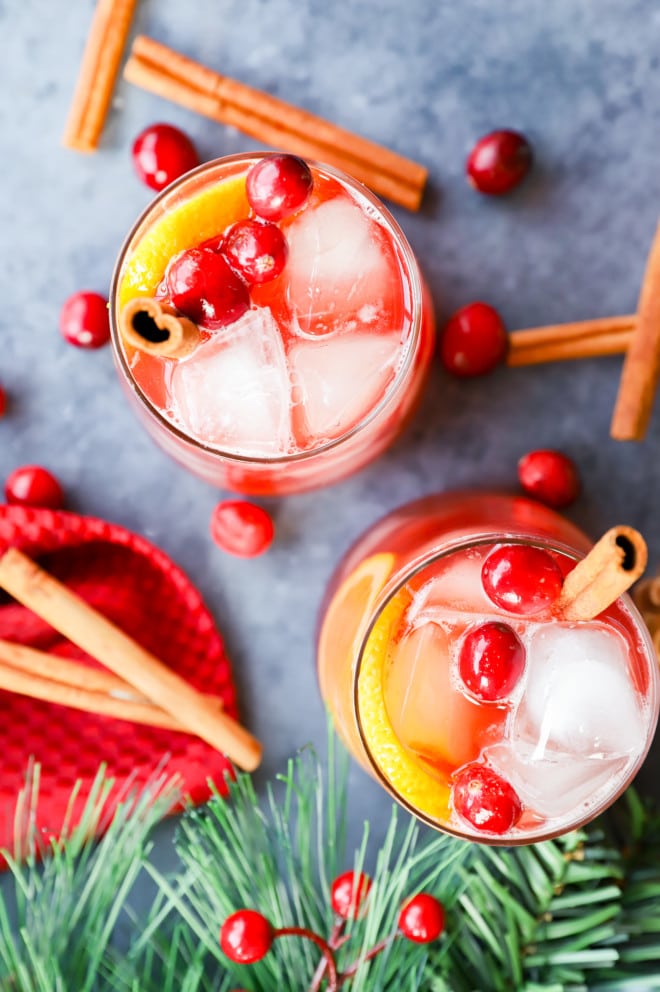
x: 611, y: 567
x: 156, y: 328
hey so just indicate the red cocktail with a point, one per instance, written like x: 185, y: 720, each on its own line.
x: 452, y: 679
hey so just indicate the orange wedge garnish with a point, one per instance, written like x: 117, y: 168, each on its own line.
x: 405, y: 773
x: 192, y: 222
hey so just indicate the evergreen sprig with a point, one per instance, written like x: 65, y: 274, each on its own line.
x: 577, y: 914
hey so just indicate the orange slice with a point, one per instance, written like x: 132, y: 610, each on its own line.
x: 203, y: 216
x: 405, y: 773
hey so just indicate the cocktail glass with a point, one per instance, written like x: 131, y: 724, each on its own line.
x: 569, y: 733
x: 324, y: 370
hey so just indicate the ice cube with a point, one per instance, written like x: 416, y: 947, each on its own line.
x: 339, y: 269
x: 558, y: 784
x: 455, y: 585
x: 338, y: 380
x: 428, y: 713
x: 579, y: 696
x: 234, y: 392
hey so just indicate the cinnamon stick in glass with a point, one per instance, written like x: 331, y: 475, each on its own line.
x: 80, y: 623
x: 641, y: 368
x: 157, y: 68
x: 614, y: 563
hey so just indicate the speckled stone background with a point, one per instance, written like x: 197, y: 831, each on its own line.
x: 426, y: 77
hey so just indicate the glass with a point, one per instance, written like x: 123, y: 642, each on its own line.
x: 320, y: 392
x: 568, y: 737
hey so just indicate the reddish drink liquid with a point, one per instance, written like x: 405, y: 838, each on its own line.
x: 323, y: 370
x: 570, y: 728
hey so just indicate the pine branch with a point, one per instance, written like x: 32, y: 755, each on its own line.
x: 70, y: 892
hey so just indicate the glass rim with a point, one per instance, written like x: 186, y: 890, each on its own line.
x: 409, y: 263
x: 390, y: 590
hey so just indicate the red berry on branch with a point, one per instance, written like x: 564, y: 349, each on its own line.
x: 204, y: 287
x: 246, y: 936
x: 85, y: 320
x: 348, y: 893
x: 32, y: 485
x: 161, y: 154
x: 257, y: 250
x: 549, y: 476
x: 242, y: 528
x: 422, y: 919
x: 278, y: 185
x: 491, y: 660
x: 3, y: 402
x: 521, y: 579
x: 474, y: 340
x: 499, y: 162
x: 485, y: 799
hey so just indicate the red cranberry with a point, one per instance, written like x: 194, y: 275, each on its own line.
x: 3, y: 402
x: 256, y: 250
x: 246, y: 936
x: 485, y: 800
x: 204, y: 287
x: 491, y: 660
x: 474, y: 341
x: 422, y: 919
x: 32, y: 485
x: 348, y: 893
x: 162, y: 153
x: 549, y: 476
x: 85, y: 321
x: 521, y: 579
x: 241, y: 528
x: 499, y: 161
x: 278, y: 185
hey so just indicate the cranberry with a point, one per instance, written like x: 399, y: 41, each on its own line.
x: 204, y: 287
x: 246, y: 936
x: 85, y: 321
x: 3, y: 402
x: 491, y: 660
x: 32, y: 485
x: 485, y: 799
x: 521, y: 579
x: 422, y: 919
x: 549, y: 476
x: 499, y: 161
x: 278, y: 185
x: 162, y: 153
x: 348, y: 894
x: 241, y: 528
x: 256, y: 250
x: 474, y: 341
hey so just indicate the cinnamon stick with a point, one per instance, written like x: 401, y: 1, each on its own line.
x: 160, y: 70
x: 54, y: 668
x: 99, y: 67
x: 581, y: 339
x: 156, y: 328
x: 611, y: 567
x: 36, y: 687
x: 80, y: 623
x: 641, y: 368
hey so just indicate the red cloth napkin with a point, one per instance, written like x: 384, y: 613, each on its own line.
x: 140, y: 589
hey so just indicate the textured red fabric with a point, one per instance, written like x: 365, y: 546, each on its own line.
x: 140, y: 589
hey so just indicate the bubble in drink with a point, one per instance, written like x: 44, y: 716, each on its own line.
x: 579, y: 696
x: 234, y: 392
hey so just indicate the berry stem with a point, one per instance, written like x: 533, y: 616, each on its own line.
x: 375, y: 950
x: 323, y: 946
x: 335, y: 941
